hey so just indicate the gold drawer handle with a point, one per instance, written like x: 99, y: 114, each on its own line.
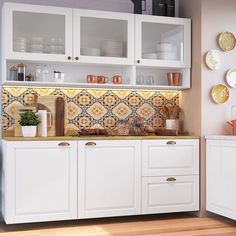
x: 171, y: 143
x: 171, y: 179
x: 63, y: 144
x: 90, y: 144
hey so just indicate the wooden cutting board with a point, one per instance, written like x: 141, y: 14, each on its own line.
x: 49, y: 103
x: 17, y: 111
x: 60, y: 117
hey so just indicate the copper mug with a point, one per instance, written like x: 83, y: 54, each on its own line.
x: 116, y: 79
x: 91, y: 79
x: 174, y: 78
x: 102, y: 79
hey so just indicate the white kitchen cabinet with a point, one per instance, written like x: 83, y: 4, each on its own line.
x: 170, y: 175
x: 39, y: 181
x: 103, y: 37
x: 170, y: 157
x: 221, y: 176
x: 168, y: 37
x: 170, y: 194
x: 33, y: 32
x: 109, y: 178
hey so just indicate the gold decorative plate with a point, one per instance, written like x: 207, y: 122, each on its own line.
x: 220, y: 93
x: 227, y: 41
x: 231, y: 77
x: 213, y: 60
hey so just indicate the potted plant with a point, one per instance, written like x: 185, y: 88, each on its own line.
x: 29, y: 121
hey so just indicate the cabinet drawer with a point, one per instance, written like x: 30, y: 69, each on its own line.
x: 170, y: 194
x: 170, y: 157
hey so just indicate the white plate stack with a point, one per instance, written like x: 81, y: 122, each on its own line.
x: 20, y: 44
x: 165, y: 51
x: 91, y: 52
x: 112, y: 48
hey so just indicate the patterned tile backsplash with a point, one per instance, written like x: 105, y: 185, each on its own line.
x: 93, y: 108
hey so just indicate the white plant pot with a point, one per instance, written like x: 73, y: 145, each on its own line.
x: 172, y: 124
x: 29, y: 131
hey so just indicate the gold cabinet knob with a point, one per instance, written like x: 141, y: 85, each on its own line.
x: 63, y: 144
x: 171, y: 143
x: 90, y: 144
x: 171, y: 179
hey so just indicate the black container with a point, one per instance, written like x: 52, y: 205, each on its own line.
x: 170, y: 8
x: 159, y: 7
x: 138, y: 6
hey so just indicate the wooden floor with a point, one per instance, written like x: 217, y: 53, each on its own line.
x: 165, y: 225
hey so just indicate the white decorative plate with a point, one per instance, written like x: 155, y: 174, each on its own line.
x: 231, y: 77
x: 213, y: 60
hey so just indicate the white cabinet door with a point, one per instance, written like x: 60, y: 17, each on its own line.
x: 40, y: 180
x: 221, y: 177
x: 170, y: 194
x: 103, y: 37
x: 32, y: 31
x: 109, y: 178
x: 168, y: 37
x: 170, y: 157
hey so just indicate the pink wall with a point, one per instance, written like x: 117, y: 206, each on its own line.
x: 209, y: 18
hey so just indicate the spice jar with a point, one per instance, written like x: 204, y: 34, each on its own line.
x: 13, y: 73
x: 21, y: 70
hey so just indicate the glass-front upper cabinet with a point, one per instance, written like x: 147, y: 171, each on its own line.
x: 103, y: 37
x: 33, y: 32
x: 163, y: 41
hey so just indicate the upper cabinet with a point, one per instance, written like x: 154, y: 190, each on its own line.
x: 163, y: 41
x: 103, y: 37
x: 33, y: 32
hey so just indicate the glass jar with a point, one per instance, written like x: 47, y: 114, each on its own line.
x: 21, y: 72
x: 13, y: 73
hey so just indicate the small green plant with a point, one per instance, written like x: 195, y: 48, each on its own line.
x: 29, y: 118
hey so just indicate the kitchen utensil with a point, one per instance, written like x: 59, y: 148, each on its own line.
x: 21, y: 70
x: 60, y: 116
x: 102, y: 79
x: 220, y: 93
x: 166, y: 112
x: 91, y: 79
x: 116, y: 79
x: 176, y: 111
x: 174, y: 78
x: 138, y: 6
x: 13, y: 73
x: 170, y: 8
x: 213, y: 60
x: 227, y: 41
x: 159, y: 7
x: 231, y: 77
x: 233, y: 125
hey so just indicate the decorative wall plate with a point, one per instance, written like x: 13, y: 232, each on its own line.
x: 213, y: 60
x: 231, y: 77
x: 220, y: 93
x: 227, y: 41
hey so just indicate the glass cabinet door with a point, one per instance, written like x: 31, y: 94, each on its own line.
x: 103, y: 37
x: 37, y: 32
x: 163, y: 41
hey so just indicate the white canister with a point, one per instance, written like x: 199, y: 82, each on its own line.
x: 172, y: 124
x: 42, y: 127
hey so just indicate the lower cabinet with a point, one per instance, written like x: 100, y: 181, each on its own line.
x: 109, y: 178
x: 62, y: 180
x: 221, y: 177
x: 170, y: 194
x: 39, y: 181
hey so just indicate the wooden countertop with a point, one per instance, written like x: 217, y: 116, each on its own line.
x: 70, y: 138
